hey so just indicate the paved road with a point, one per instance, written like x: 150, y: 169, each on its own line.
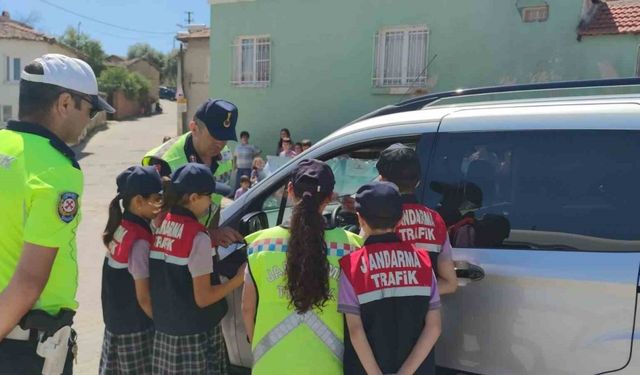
x: 106, y: 154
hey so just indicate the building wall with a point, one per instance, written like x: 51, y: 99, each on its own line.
x: 196, y: 74
x: 322, y: 55
x: 151, y: 73
x: 125, y: 107
x: 27, y: 51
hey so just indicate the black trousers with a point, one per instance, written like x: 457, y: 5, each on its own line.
x: 20, y: 358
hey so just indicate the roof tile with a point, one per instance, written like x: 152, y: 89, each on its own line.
x: 614, y: 17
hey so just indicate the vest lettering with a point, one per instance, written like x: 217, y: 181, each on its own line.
x: 164, y: 243
x: 413, y: 217
x: 171, y: 229
x: 363, y: 265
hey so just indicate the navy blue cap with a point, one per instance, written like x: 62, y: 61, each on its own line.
x: 139, y: 180
x: 379, y: 199
x: 197, y: 178
x: 398, y: 162
x: 314, y: 173
x: 220, y: 117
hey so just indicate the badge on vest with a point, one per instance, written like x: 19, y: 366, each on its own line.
x: 68, y: 206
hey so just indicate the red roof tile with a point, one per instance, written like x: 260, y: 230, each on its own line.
x: 15, y: 30
x: 614, y: 17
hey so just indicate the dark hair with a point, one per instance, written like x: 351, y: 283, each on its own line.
x: 376, y: 222
x: 36, y: 99
x: 299, y: 144
x: 307, y: 268
x: 115, y: 217
x: 280, y: 139
x: 244, y: 178
x: 405, y: 177
x: 171, y: 197
x: 244, y: 133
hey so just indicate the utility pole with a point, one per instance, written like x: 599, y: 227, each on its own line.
x: 189, y: 18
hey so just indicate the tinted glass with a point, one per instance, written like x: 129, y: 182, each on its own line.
x: 564, y: 189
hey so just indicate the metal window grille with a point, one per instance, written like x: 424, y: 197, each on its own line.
x: 252, y: 61
x: 535, y: 14
x: 400, y: 57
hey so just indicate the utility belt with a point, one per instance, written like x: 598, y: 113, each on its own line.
x: 52, y: 334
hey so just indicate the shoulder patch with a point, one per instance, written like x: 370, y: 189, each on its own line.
x: 68, y: 206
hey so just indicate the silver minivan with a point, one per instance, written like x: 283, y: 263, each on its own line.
x: 543, y: 200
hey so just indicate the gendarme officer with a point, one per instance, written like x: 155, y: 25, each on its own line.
x: 213, y: 125
x: 40, y: 202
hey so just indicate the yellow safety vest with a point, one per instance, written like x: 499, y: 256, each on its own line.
x: 172, y: 152
x: 285, y: 342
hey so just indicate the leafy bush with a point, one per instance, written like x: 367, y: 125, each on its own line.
x: 134, y: 85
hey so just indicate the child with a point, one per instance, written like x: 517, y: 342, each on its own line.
x: 243, y: 157
x: 388, y: 287
x: 245, y: 184
x: 188, y: 301
x: 297, y: 148
x: 257, y: 170
x: 287, y: 152
x: 126, y: 305
x: 306, y: 144
x: 420, y: 225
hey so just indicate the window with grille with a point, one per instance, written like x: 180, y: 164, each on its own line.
x: 535, y: 14
x: 252, y: 61
x: 400, y: 57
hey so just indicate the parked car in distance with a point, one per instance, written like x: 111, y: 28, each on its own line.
x: 168, y: 93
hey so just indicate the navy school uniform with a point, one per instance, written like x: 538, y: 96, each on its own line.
x: 391, y: 285
x: 128, y: 336
x: 188, y: 338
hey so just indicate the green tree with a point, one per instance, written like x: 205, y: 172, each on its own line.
x: 170, y: 68
x: 91, y: 48
x: 145, y: 50
x: 134, y: 85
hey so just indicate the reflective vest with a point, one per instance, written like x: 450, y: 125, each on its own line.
x: 175, y: 311
x: 173, y: 153
x: 120, y: 309
x: 285, y: 342
x: 423, y: 228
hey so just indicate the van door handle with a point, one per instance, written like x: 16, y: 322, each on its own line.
x: 466, y: 270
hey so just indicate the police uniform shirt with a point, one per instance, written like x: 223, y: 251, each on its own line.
x: 40, y: 204
x: 126, y: 260
x: 392, y: 294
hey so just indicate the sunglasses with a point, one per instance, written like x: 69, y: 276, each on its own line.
x: 94, y: 110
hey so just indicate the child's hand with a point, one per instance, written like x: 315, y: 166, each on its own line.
x: 240, y: 273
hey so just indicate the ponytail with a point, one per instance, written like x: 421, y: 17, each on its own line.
x: 307, y: 267
x: 115, y: 217
x: 171, y: 197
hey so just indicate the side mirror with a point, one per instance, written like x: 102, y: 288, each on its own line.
x: 253, y: 222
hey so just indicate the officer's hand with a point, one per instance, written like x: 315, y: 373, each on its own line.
x: 225, y: 236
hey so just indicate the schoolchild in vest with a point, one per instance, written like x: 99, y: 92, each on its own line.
x: 420, y: 225
x: 126, y: 304
x: 388, y: 293
x: 187, y: 306
x: 289, y: 301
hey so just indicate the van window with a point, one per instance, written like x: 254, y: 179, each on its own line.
x: 564, y: 189
x: 352, y: 169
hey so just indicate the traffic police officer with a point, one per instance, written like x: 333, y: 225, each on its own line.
x: 206, y: 143
x: 420, y: 225
x: 41, y: 188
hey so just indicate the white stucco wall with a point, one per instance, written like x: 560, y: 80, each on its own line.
x: 27, y: 51
x: 196, y: 74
